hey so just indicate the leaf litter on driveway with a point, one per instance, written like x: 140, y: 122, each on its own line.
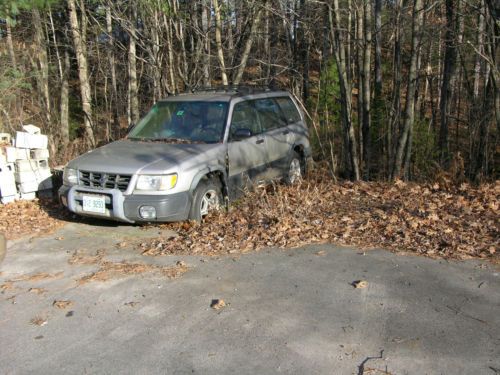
x: 114, y: 270
x: 437, y: 220
x: 457, y: 222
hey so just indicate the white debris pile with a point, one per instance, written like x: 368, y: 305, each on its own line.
x: 24, y: 165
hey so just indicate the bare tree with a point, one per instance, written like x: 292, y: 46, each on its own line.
x: 405, y: 138
x: 449, y: 75
x: 85, y: 91
x: 42, y: 63
x: 350, y: 143
x: 133, y: 90
x: 248, y: 45
x: 218, y: 39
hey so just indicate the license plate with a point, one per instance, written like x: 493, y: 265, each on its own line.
x: 94, y: 203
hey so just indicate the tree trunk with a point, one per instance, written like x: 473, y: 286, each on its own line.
x: 359, y: 20
x: 229, y: 31
x: 248, y: 46
x: 170, y: 52
x: 378, y: 50
x: 348, y: 42
x: 351, y: 160
x: 133, y: 91
x: 267, y: 45
x: 304, y: 51
x: 64, y: 105
x: 218, y: 40
x: 395, y: 118
x: 206, y: 44
x: 404, y: 142
x: 112, y: 67
x: 378, y: 102
x: 81, y: 57
x: 10, y: 45
x: 480, y: 47
x: 56, y: 45
x: 447, y: 85
x: 367, y: 45
x: 43, y: 63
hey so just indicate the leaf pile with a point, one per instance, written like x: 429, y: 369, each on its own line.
x: 23, y: 218
x: 454, y: 222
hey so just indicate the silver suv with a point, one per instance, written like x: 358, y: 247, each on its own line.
x: 188, y: 154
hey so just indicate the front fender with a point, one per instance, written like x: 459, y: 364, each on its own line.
x: 205, y: 171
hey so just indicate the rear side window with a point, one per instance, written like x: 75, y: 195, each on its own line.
x: 245, y: 117
x: 289, y: 110
x: 270, y: 114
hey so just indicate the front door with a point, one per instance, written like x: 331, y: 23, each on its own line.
x: 247, y: 157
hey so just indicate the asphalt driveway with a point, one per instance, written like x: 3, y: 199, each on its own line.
x: 84, y: 300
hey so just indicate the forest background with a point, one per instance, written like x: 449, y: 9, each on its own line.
x: 392, y: 89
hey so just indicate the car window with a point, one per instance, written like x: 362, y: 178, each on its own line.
x: 289, y: 110
x: 269, y: 113
x: 245, y: 117
x: 190, y: 121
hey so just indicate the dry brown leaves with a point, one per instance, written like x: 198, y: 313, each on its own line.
x: 62, y: 304
x: 23, y: 218
x: 111, y: 270
x: 217, y: 304
x: 38, y: 276
x: 38, y: 321
x: 454, y: 222
x: 78, y: 258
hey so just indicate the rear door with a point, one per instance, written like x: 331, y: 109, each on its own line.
x: 247, y: 157
x: 277, y: 135
x: 292, y: 116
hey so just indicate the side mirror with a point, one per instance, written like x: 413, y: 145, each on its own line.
x: 240, y: 134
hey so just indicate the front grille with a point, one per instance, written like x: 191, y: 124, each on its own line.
x: 104, y: 180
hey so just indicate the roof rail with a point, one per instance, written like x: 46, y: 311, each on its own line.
x: 237, y: 89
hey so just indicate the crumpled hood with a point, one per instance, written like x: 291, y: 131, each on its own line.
x: 130, y: 157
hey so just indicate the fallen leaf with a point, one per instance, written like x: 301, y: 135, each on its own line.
x: 217, y: 304
x: 359, y: 284
x: 38, y: 321
x: 62, y: 304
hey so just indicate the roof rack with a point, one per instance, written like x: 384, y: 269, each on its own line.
x: 237, y: 89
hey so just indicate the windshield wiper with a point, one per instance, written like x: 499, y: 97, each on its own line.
x: 165, y: 139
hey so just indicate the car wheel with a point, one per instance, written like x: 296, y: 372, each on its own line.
x: 207, y: 198
x: 294, y: 172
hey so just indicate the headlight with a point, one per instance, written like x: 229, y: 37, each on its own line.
x: 156, y: 183
x: 70, y: 176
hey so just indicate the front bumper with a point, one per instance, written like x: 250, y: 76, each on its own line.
x: 125, y: 208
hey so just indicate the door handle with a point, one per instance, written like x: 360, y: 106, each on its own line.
x: 259, y: 141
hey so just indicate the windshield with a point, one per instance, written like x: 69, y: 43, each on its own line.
x: 183, y: 122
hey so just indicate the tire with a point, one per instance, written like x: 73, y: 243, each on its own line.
x: 207, y: 198
x: 295, y: 169
x: 3, y: 247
